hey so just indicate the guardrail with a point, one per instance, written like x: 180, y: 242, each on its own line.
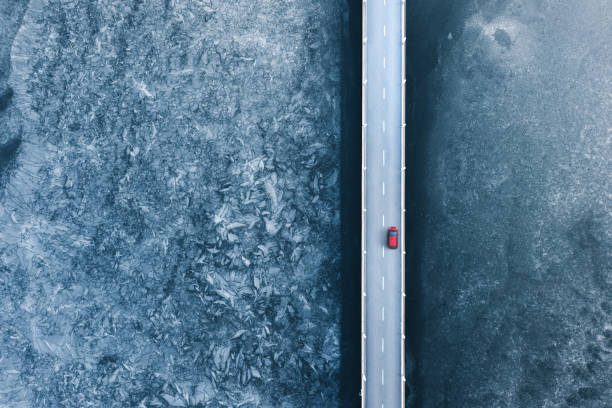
x: 403, y: 226
x: 364, y: 32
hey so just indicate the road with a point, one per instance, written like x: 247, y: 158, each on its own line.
x: 383, y: 204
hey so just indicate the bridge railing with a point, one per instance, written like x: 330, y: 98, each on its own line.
x: 363, y: 200
x: 403, y: 177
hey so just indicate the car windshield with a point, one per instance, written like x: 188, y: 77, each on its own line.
x: 393, y: 233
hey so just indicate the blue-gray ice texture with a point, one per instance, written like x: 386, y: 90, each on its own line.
x: 169, y: 203
x: 516, y: 244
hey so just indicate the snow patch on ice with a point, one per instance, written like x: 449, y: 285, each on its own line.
x: 506, y: 41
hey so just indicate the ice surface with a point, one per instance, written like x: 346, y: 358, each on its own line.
x: 165, y: 230
x: 512, y: 123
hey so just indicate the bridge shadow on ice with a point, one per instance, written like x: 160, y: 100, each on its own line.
x: 350, y: 365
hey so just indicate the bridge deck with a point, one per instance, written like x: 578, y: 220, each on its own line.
x: 383, y: 203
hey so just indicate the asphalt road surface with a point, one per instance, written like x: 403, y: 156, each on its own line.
x: 383, y: 202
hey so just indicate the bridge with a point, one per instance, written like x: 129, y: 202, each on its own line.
x: 382, y: 202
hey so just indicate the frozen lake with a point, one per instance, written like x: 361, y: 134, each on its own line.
x: 178, y: 203
x: 512, y: 245
x: 169, y: 203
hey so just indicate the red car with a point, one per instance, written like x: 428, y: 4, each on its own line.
x: 392, y: 238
